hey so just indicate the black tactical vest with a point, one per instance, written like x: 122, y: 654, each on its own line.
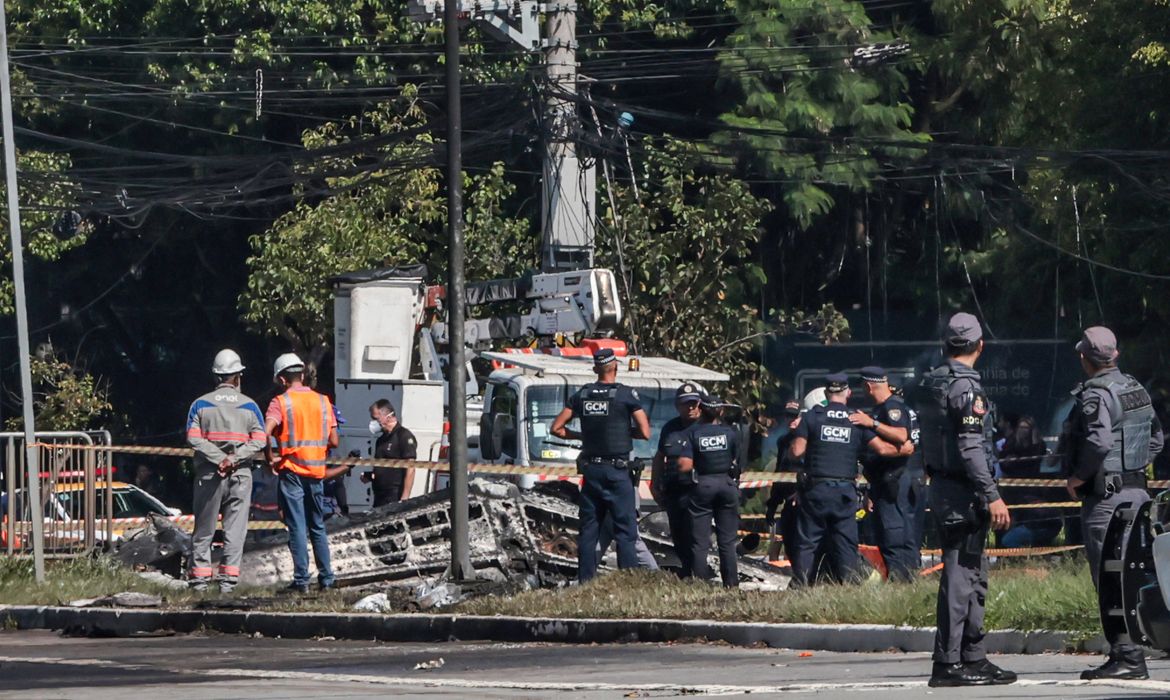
x: 714, y: 447
x: 1132, y: 415
x: 939, y: 441
x: 605, y: 422
x: 834, y: 444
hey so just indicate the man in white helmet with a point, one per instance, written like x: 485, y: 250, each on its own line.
x: 226, y: 429
x: 305, y: 428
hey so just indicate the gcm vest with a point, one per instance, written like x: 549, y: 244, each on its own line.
x: 1132, y: 412
x: 714, y: 448
x: 304, y: 433
x: 605, y: 422
x: 834, y: 444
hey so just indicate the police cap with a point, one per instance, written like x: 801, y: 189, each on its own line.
x: 711, y: 401
x: 1098, y: 345
x: 963, y: 328
x: 836, y: 383
x: 874, y: 374
x: 688, y: 392
x: 603, y: 357
x: 792, y: 408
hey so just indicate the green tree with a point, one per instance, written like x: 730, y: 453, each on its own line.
x: 685, y: 245
x: 393, y: 217
x: 803, y: 114
x: 46, y: 231
x: 65, y: 397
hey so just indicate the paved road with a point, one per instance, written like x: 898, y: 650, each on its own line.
x: 43, y: 665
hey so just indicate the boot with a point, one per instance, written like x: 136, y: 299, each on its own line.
x: 999, y: 676
x: 1118, y: 669
x: 957, y: 675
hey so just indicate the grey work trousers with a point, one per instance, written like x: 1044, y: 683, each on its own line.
x: 1096, y: 512
x: 963, y: 527
x: 230, y: 497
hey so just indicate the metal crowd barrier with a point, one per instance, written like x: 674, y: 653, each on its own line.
x: 75, y: 487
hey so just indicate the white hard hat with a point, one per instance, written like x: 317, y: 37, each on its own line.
x: 227, y: 362
x: 285, y: 362
x: 816, y: 397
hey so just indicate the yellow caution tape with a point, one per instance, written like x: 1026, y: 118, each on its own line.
x: 748, y: 480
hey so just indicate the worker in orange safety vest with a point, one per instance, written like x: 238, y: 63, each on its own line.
x: 304, y: 426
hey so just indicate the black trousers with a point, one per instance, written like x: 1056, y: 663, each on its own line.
x: 715, y: 499
x: 677, y: 503
x: 893, y: 513
x: 827, y: 511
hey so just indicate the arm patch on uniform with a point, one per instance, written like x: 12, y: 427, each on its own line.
x: 971, y: 412
x: 1091, y: 406
x: 895, y: 414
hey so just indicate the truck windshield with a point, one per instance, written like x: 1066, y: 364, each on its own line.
x: 545, y: 402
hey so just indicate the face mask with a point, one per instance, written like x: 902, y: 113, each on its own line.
x: 375, y: 428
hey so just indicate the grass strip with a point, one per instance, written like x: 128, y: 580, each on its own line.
x: 1054, y: 595
x: 1058, y: 596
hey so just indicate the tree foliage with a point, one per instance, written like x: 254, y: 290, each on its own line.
x: 803, y: 113
x: 48, y: 228
x: 685, y: 248
x: 392, y: 217
x: 66, y: 397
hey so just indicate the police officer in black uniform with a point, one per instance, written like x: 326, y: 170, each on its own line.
x: 889, y: 481
x: 827, y: 486
x: 965, y: 502
x: 1111, y: 436
x: 783, y: 493
x: 670, y: 489
x: 611, y: 418
x: 917, y: 493
x: 708, y: 456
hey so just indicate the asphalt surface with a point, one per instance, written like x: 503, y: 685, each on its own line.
x: 44, y: 665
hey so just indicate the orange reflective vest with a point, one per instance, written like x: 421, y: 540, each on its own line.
x: 304, y: 433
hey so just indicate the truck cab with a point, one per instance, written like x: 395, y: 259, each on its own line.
x: 527, y: 391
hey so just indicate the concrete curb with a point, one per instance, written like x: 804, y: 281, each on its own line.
x: 121, y: 622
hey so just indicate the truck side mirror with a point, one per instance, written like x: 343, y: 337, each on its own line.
x: 489, y: 438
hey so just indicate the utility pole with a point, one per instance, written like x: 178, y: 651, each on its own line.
x: 461, y: 569
x: 33, y: 488
x: 569, y: 190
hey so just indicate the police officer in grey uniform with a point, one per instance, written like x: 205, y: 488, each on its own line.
x: 611, y: 418
x: 827, y: 495
x: 965, y: 502
x: 1111, y: 436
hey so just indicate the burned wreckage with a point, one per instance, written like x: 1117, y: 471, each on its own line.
x: 526, y: 538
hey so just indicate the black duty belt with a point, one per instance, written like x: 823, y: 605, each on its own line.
x: 809, y: 480
x: 612, y: 461
x: 720, y: 473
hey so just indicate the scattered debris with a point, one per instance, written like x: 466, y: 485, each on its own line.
x: 430, y: 665
x: 160, y: 545
x: 375, y: 603
x: 429, y: 596
x: 519, y: 540
x: 158, y: 577
x: 128, y: 599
